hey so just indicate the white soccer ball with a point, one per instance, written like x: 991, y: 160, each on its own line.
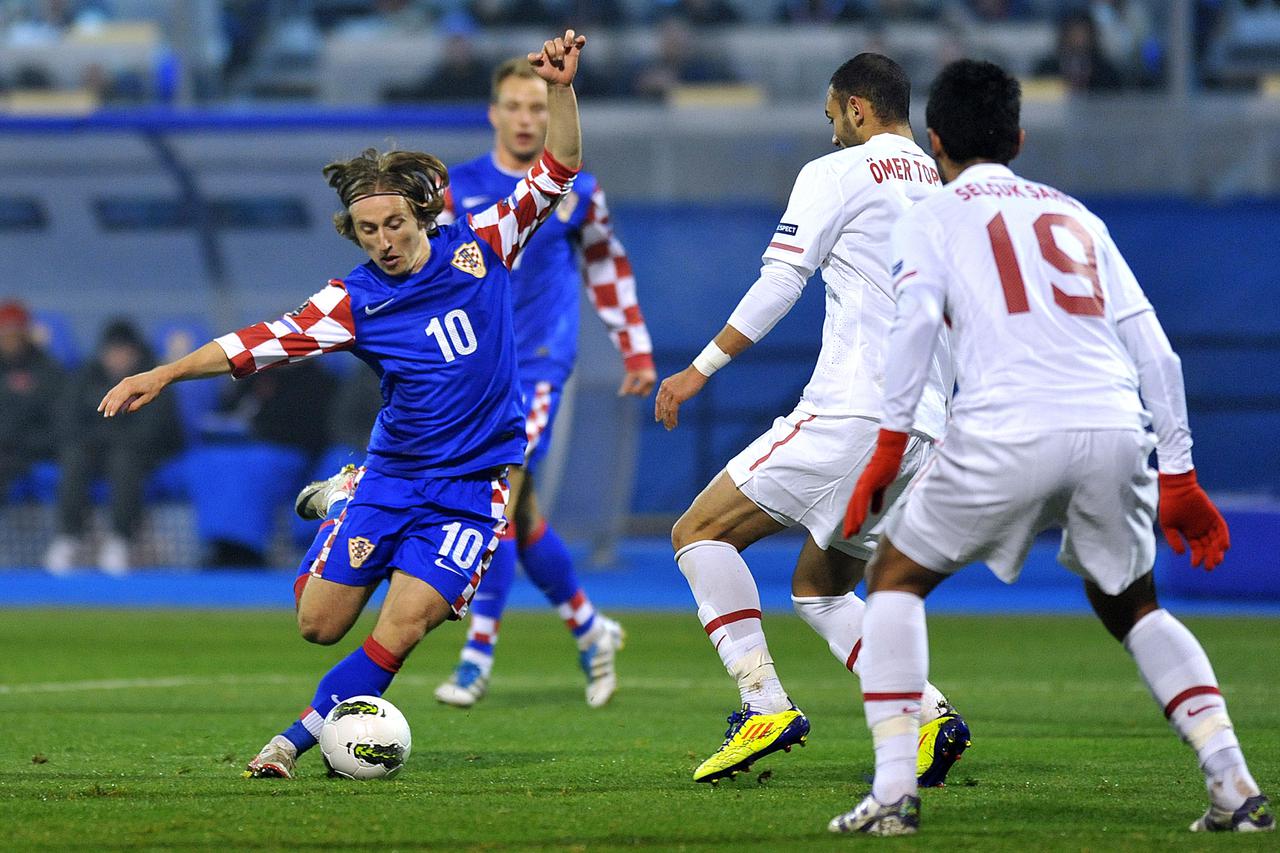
x: 365, y: 737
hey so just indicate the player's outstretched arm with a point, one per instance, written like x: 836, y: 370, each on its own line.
x: 134, y: 392
x: 680, y: 387
x: 557, y: 63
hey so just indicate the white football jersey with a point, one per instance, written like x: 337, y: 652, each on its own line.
x: 1032, y: 287
x: 839, y: 219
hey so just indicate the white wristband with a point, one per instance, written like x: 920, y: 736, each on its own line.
x: 711, y: 359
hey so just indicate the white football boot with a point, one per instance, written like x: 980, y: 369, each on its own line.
x: 606, y: 639
x: 314, y: 500
x: 465, y: 687
x: 275, y: 761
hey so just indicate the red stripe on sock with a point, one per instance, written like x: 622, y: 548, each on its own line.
x: 379, y: 655
x: 536, y: 536
x: 735, y: 616
x: 482, y: 638
x: 305, y: 711
x: 853, y: 655
x: 1189, y: 693
x: 579, y: 599
x: 298, y: 586
x: 889, y: 697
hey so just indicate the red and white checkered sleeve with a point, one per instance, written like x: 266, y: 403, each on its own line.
x: 449, y: 214
x: 323, y: 324
x: 508, y: 225
x: 613, y: 286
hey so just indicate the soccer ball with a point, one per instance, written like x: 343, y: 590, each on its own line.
x: 365, y: 737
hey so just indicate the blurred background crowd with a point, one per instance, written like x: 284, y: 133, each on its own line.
x: 90, y: 52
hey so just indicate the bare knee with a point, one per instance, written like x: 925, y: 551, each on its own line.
x: 687, y: 530
x: 318, y: 630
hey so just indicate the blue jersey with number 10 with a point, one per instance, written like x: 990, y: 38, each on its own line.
x: 441, y: 339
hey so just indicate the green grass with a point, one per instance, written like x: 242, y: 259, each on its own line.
x: 1070, y: 753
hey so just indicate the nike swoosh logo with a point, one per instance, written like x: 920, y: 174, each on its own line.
x: 334, y: 697
x: 443, y: 565
x: 370, y: 309
x: 1198, y: 710
x: 474, y: 200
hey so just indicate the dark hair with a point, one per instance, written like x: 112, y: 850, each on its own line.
x: 974, y: 108
x: 516, y: 66
x: 420, y: 178
x: 878, y: 79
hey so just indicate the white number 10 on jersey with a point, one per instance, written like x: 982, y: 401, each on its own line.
x: 455, y: 335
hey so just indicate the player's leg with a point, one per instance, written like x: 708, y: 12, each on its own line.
x: 1177, y: 671
x: 469, y: 681
x: 546, y: 561
x: 894, y: 671
x: 822, y: 594
x: 326, y: 611
x: 708, y: 539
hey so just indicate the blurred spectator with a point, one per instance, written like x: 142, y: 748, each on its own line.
x: 387, y: 16
x: 358, y: 402
x: 821, y: 11
x: 700, y: 12
x: 257, y: 456
x: 1001, y: 10
x: 510, y: 13
x: 678, y: 62
x: 462, y: 75
x: 581, y: 14
x: 1078, y: 59
x: 124, y: 450
x: 30, y: 381
x: 1125, y: 36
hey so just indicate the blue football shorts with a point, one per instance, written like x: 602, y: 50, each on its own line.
x: 441, y: 530
x: 541, y: 402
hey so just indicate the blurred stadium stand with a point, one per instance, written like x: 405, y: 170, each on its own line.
x: 199, y: 220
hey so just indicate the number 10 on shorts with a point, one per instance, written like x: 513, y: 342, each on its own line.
x: 462, y: 545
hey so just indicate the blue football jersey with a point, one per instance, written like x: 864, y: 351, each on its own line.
x: 440, y: 340
x: 547, y: 278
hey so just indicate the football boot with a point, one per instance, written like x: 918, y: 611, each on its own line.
x: 1256, y: 815
x: 465, y: 687
x: 752, y: 735
x: 875, y: 818
x: 942, y: 742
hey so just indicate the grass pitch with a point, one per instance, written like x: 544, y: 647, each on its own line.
x: 128, y: 730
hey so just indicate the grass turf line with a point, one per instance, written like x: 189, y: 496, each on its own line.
x: 128, y: 730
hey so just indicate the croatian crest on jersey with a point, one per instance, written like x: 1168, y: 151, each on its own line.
x: 467, y: 258
x: 568, y: 204
x: 358, y: 550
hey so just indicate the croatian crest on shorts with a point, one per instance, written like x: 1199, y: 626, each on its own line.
x: 358, y: 549
x: 467, y: 258
x: 568, y: 204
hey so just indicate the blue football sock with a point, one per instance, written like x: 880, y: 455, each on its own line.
x: 365, y: 672
x: 487, y: 605
x: 547, y: 562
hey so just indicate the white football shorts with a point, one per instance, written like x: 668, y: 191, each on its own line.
x: 803, y: 470
x: 982, y: 499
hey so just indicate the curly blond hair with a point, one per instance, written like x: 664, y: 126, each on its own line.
x: 419, y: 177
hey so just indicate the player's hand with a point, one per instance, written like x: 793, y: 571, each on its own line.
x: 132, y: 393
x: 879, y: 474
x: 1186, y: 512
x: 557, y: 62
x: 674, y: 391
x: 638, y: 382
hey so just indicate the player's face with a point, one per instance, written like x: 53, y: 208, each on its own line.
x: 843, y: 133
x: 389, y: 233
x: 519, y: 117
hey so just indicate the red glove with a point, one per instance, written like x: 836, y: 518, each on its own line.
x: 879, y: 474
x: 1186, y: 512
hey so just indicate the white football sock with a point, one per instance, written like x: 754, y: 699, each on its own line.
x: 895, y: 666
x: 729, y: 609
x: 838, y: 620
x: 1180, y: 677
